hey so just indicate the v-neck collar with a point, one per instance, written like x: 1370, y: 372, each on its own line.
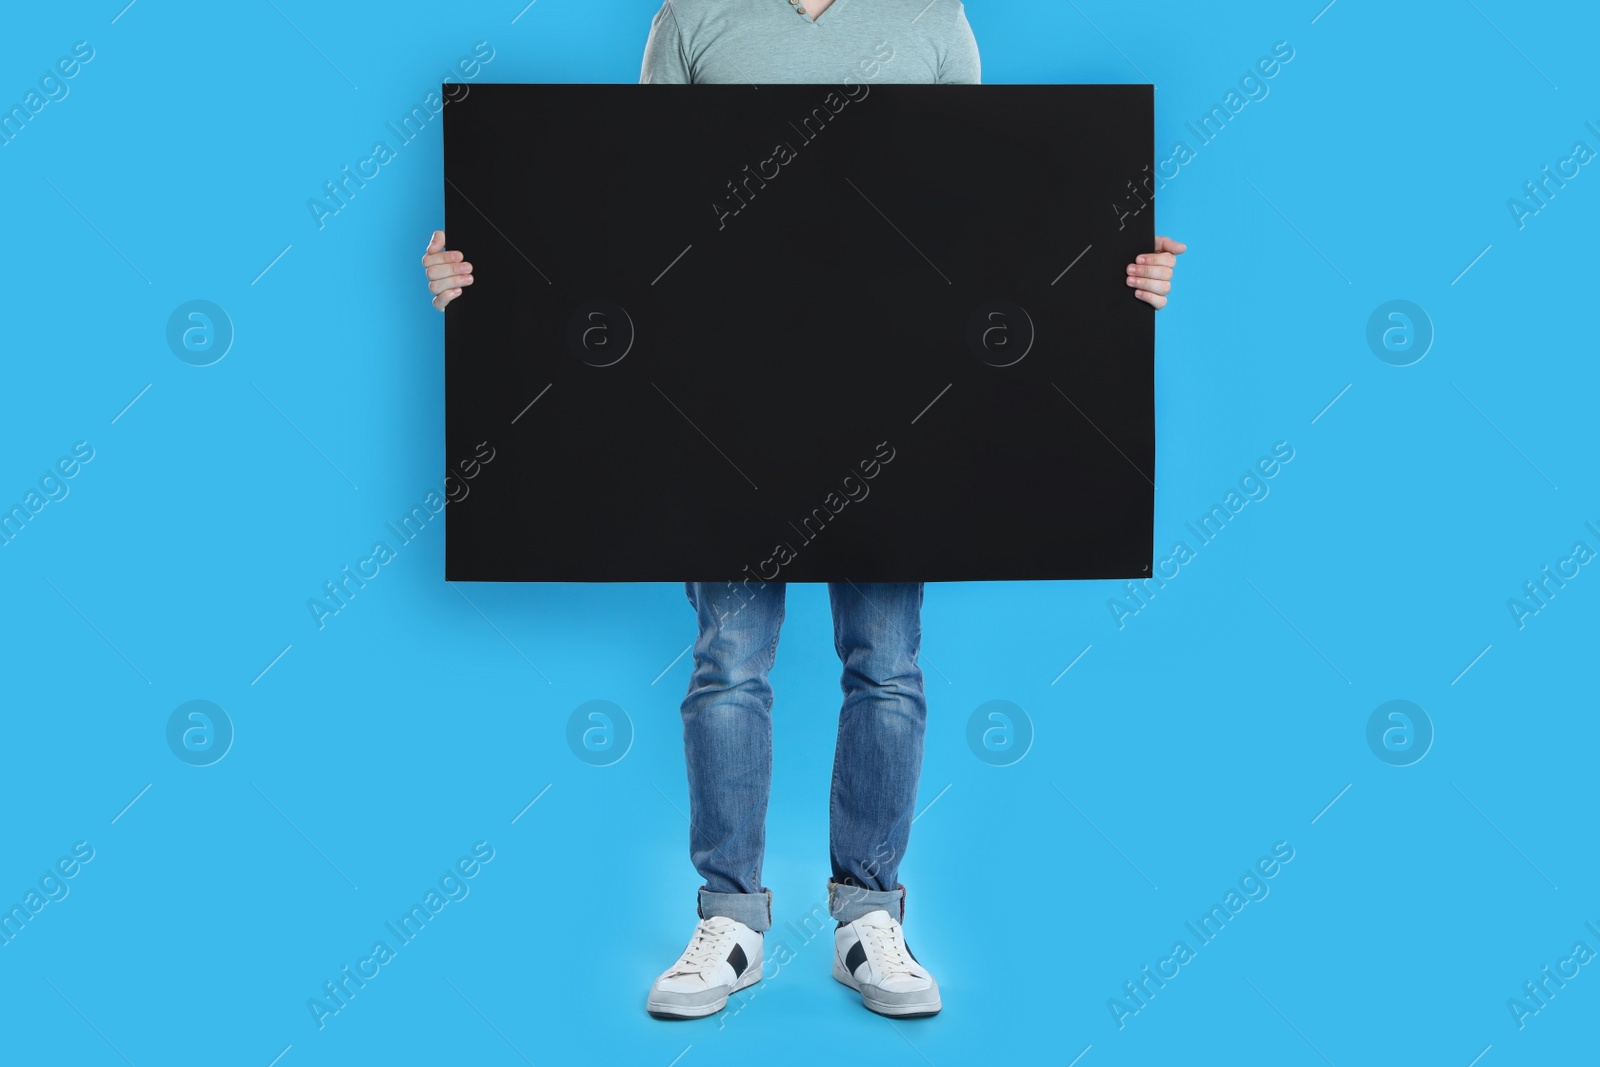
x: 828, y: 14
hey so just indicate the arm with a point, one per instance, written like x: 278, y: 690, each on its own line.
x: 960, y: 63
x: 665, y: 62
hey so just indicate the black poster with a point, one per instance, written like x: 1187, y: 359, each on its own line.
x: 800, y: 333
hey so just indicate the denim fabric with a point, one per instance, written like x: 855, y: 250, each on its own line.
x: 752, y: 909
x: 727, y: 742
x: 847, y: 903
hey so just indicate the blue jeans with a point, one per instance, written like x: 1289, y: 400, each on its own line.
x: 727, y: 743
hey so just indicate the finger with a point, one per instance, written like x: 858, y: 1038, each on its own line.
x: 436, y: 258
x: 445, y: 270
x: 1153, y: 285
x: 435, y: 241
x: 1167, y: 244
x: 445, y: 297
x: 444, y: 284
x: 1155, y: 300
x: 1164, y: 273
x: 1158, y: 259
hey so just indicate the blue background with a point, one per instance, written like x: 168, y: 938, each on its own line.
x: 1222, y: 718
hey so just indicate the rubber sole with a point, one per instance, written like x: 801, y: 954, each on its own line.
x: 893, y: 1011
x: 751, y: 976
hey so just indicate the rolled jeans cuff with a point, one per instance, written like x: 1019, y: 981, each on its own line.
x: 847, y: 903
x: 752, y: 909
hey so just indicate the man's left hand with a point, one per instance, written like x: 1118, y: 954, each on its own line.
x: 1150, y: 275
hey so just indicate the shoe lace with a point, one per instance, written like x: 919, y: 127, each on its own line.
x: 706, y: 946
x: 889, y: 949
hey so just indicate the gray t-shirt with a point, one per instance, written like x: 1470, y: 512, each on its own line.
x: 734, y: 42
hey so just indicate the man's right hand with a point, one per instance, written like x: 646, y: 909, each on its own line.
x: 447, y: 273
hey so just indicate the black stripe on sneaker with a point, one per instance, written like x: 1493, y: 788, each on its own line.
x: 737, y: 960
x: 854, y: 958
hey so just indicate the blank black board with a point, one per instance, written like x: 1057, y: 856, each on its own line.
x: 703, y: 315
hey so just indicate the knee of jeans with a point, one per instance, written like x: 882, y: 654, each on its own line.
x: 883, y: 676
x: 892, y: 718
x: 723, y: 669
x: 713, y: 679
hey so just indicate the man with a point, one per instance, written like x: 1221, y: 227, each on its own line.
x: 727, y: 725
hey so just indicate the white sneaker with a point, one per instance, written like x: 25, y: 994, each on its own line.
x: 870, y: 955
x: 723, y: 957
